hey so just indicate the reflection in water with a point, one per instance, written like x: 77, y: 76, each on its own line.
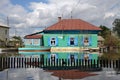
x: 39, y: 74
x: 27, y: 74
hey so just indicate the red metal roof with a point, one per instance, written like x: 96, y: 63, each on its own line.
x: 72, y: 24
x: 33, y: 36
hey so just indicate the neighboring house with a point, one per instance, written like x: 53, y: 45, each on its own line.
x: 14, y: 42
x: 66, y: 39
x: 4, y: 35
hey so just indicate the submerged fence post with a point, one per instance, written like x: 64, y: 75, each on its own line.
x: 119, y: 64
x: 39, y: 62
x: 110, y: 63
x: 1, y: 63
x: 21, y: 62
x: 57, y: 62
x: 14, y: 60
x: 116, y: 62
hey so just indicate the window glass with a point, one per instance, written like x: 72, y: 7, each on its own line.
x: 86, y: 41
x: 5, y: 31
x: 28, y: 41
x: 72, y: 57
x: 86, y: 56
x: 72, y: 41
x: 36, y: 41
x: 52, y: 42
x: 53, y: 57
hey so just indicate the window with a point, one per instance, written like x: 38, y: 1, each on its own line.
x: 86, y: 56
x: 28, y: 41
x: 72, y: 58
x: 52, y: 42
x: 5, y: 31
x: 72, y: 41
x: 42, y: 58
x: 36, y: 41
x: 86, y: 41
x: 6, y: 39
x: 53, y: 57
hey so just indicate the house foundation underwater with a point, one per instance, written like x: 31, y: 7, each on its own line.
x: 67, y: 39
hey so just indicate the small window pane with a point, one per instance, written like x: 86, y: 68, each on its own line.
x: 72, y: 40
x: 86, y: 41
x: 28, y: 41
x: 36, y: 41
x: 53, y: 41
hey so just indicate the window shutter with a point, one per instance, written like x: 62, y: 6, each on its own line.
x: 76, y: 56
x: 90, y: 40
x: 90, y: 56
x: 68, y: 43
x: 76, y: 41
x: 56, y: 56
x: 49, y: 44
x: 68, y: 56
x: 49, y: 56
x: 56, y: 41
x: 82, y: 41
x: 82, y: 56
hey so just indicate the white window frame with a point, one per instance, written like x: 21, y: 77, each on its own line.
x: 36, y: 41
x: 54, y: 57
x: 28, y: 41
x: 86, y: 43
x: 73, y: 40
x: 53, y: 41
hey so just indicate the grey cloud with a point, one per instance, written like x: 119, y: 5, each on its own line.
x: 97, y: 12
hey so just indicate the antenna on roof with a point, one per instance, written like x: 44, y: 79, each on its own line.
x: 62, y: 15
x: 7, y: 21
x: 71, y: 14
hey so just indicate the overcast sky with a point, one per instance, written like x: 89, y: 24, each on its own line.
x: 29, y: 16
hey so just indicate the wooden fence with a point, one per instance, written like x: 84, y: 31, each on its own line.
x: 23, y: 62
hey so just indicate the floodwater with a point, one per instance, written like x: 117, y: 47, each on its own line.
x: 106, y: 74
x: 39, y: 74
x: 26, y: 74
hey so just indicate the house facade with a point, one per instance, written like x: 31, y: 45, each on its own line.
x: 67, y: 39
x: 4, y: 35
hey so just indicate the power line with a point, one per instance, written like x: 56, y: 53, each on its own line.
x: 38, y: 27
x: 75, y: 5
x: 71, y: 13
x: 74, y: 8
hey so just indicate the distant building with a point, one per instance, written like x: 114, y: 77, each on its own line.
x: 13, y: 42
x: 4, y: 35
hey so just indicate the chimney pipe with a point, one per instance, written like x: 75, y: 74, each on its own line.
x: 59, y: 18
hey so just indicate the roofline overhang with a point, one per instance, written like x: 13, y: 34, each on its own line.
x: 73, y: 31
x: 5, y: 26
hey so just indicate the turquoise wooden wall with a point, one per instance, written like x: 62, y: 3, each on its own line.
x: 63, y: 39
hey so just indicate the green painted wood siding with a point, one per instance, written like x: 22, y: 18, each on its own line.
x: 63, y: 42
